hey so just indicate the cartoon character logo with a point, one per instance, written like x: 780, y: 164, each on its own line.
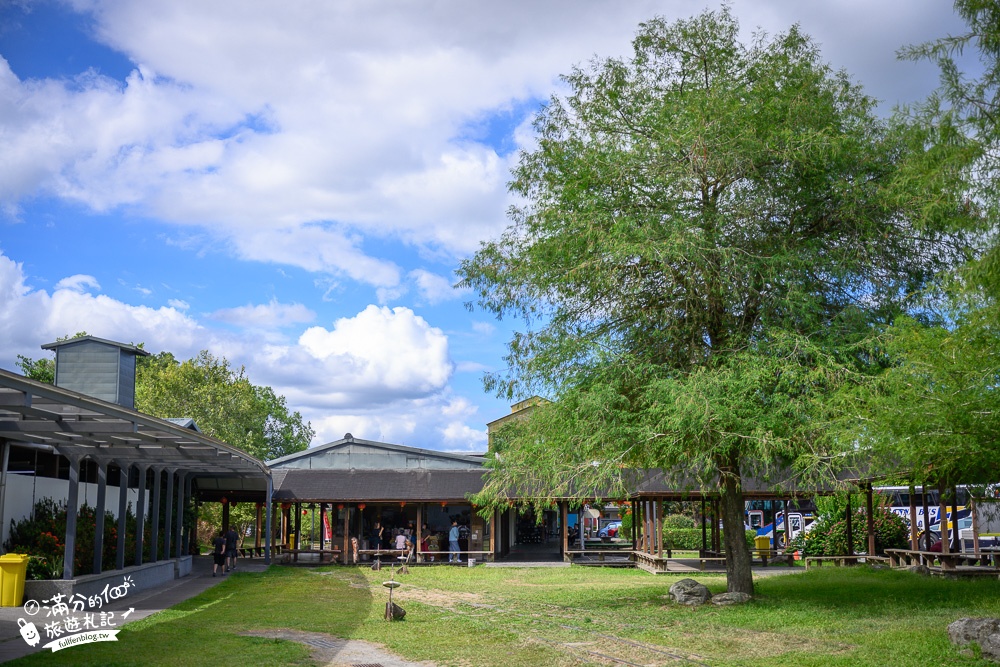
x: 29, y: 632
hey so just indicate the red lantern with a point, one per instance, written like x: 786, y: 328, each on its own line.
x: 305, y: 512
x: 225, y: 501
x: 361, y: 507
x: 340, y: 506
x: 286, y: 506
x: 402, y: 504
x: 443, y: 504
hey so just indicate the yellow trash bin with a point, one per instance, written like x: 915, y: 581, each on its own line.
x: 762, y: 542
x: 13, y: 569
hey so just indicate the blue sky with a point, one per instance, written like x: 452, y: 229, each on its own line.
x: 292, y: 187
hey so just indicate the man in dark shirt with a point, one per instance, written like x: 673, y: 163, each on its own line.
x: 231, y: 542
x: 219, y: 553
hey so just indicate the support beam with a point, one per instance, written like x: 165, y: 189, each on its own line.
x: 850, y: 527
x: 267, y: 513
x: 154, y: 533
x: 102, y: 491
x: 123, y: 475
x: 870, y: 511
x: 913, y: 519
x: 168, y: 514
x: 927, y: 518
x: 179, y: 520
x: 71, y: 512
x: 943, y: 519
x: 140, y: 513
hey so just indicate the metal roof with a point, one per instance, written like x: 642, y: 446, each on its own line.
x: 304, y: 485
x: 41, y: 416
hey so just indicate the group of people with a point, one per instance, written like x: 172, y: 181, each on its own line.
x: 404, y: 540
x: 224, y: 554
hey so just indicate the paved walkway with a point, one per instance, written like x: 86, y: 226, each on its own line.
x: 143, y: 603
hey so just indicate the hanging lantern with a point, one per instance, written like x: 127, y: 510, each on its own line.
x: 340, y: 506
x: 233, y: 504
x: 225, y: 501
x: 286, y: 506
x: 443, y: 504
x: 305, y: 512
x: 361, y: 507
x: 402, y: 503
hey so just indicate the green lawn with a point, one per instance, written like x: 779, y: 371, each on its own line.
x: 511, y: 617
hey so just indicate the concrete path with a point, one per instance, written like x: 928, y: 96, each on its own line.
x: 143, y: 603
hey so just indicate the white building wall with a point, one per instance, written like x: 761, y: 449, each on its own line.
x: 24, y: 490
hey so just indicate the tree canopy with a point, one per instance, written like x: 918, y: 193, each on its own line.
x: 709, y: 232
x: 222, y: 401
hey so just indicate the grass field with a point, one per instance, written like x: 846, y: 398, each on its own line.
x: 512, y: 617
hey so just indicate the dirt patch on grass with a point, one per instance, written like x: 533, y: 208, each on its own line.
x: 332, y: 651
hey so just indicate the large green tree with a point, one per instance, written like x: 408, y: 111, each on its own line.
x: 222, y: 401
x: 709, y: 232
x: 968, y: 100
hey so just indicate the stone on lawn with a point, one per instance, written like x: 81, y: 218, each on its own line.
x: 689, y: 592
x: 724, y: 599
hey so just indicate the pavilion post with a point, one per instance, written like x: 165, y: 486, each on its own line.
x: 927, y: 518
x: 943, y: 519
x: 123, y: 475
x: 955, y: 537
x: 267, y: 513
x: 704, y: 527
x: 154, y: 533
x: 716, y: 531
x: 564, y: 521
x: 974, y: 511
x: 179, y: 519
x: 659, y: 527
x: 168, y: 505
x: 870, y: 510
x: 140, y: 513
x: 298, y: 529
x: 913, y: 518
x: 258, y: 524
x: 420, y: 532
x: 850, y: 527
x: 71, y: 514
x: 322, y: 527
x: 347, y: 514
x: 102, y: 494
x: 189, y: 541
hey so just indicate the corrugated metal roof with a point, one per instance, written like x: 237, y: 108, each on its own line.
x: 297, y: 484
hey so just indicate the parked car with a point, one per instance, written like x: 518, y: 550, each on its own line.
x: 610, y: 530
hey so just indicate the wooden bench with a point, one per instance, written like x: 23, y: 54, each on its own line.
x: 325, y: 555
x: 948, y: 562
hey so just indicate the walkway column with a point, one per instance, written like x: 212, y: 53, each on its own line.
x: 870, y: 510
x: 179, y: 520
x: 154, y: 533
x: 943, y: 519
x: 927, y: 518
x: 258, y: 525
x: 168, y: 514
x: 71, y: 512
x: 953, y: 533
x: 102, y: 490
x: 704, y: 527
x: 140, y: 513
x: 850, y: 531
x: 267, y: 513
x: 123, y: 474
x: 913, y: 518
x: 659, y: 526
x: 187, y: 529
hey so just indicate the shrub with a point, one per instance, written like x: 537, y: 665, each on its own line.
x: 42, y: 536
x: 828, y: 536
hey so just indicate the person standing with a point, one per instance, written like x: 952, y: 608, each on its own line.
x: 231, y: 543
x: 454, y: 551
x: 377, y: 536
x: 219, y: 554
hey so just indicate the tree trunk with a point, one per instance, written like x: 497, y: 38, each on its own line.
x: 739, y: 577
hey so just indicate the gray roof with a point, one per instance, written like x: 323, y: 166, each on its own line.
x: 82, y: 339
x: 416, y: 485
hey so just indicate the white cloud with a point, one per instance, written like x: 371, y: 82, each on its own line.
x: 434, y: 288
x: 390, y: 353
x: 178, y: 304
x: 78, y: 283
x: 483, y: 328
x: 382, y: 374
x: 272, y: 315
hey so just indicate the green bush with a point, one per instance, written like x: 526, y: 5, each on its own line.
x: 828, y: 537
x: 42, y: 536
